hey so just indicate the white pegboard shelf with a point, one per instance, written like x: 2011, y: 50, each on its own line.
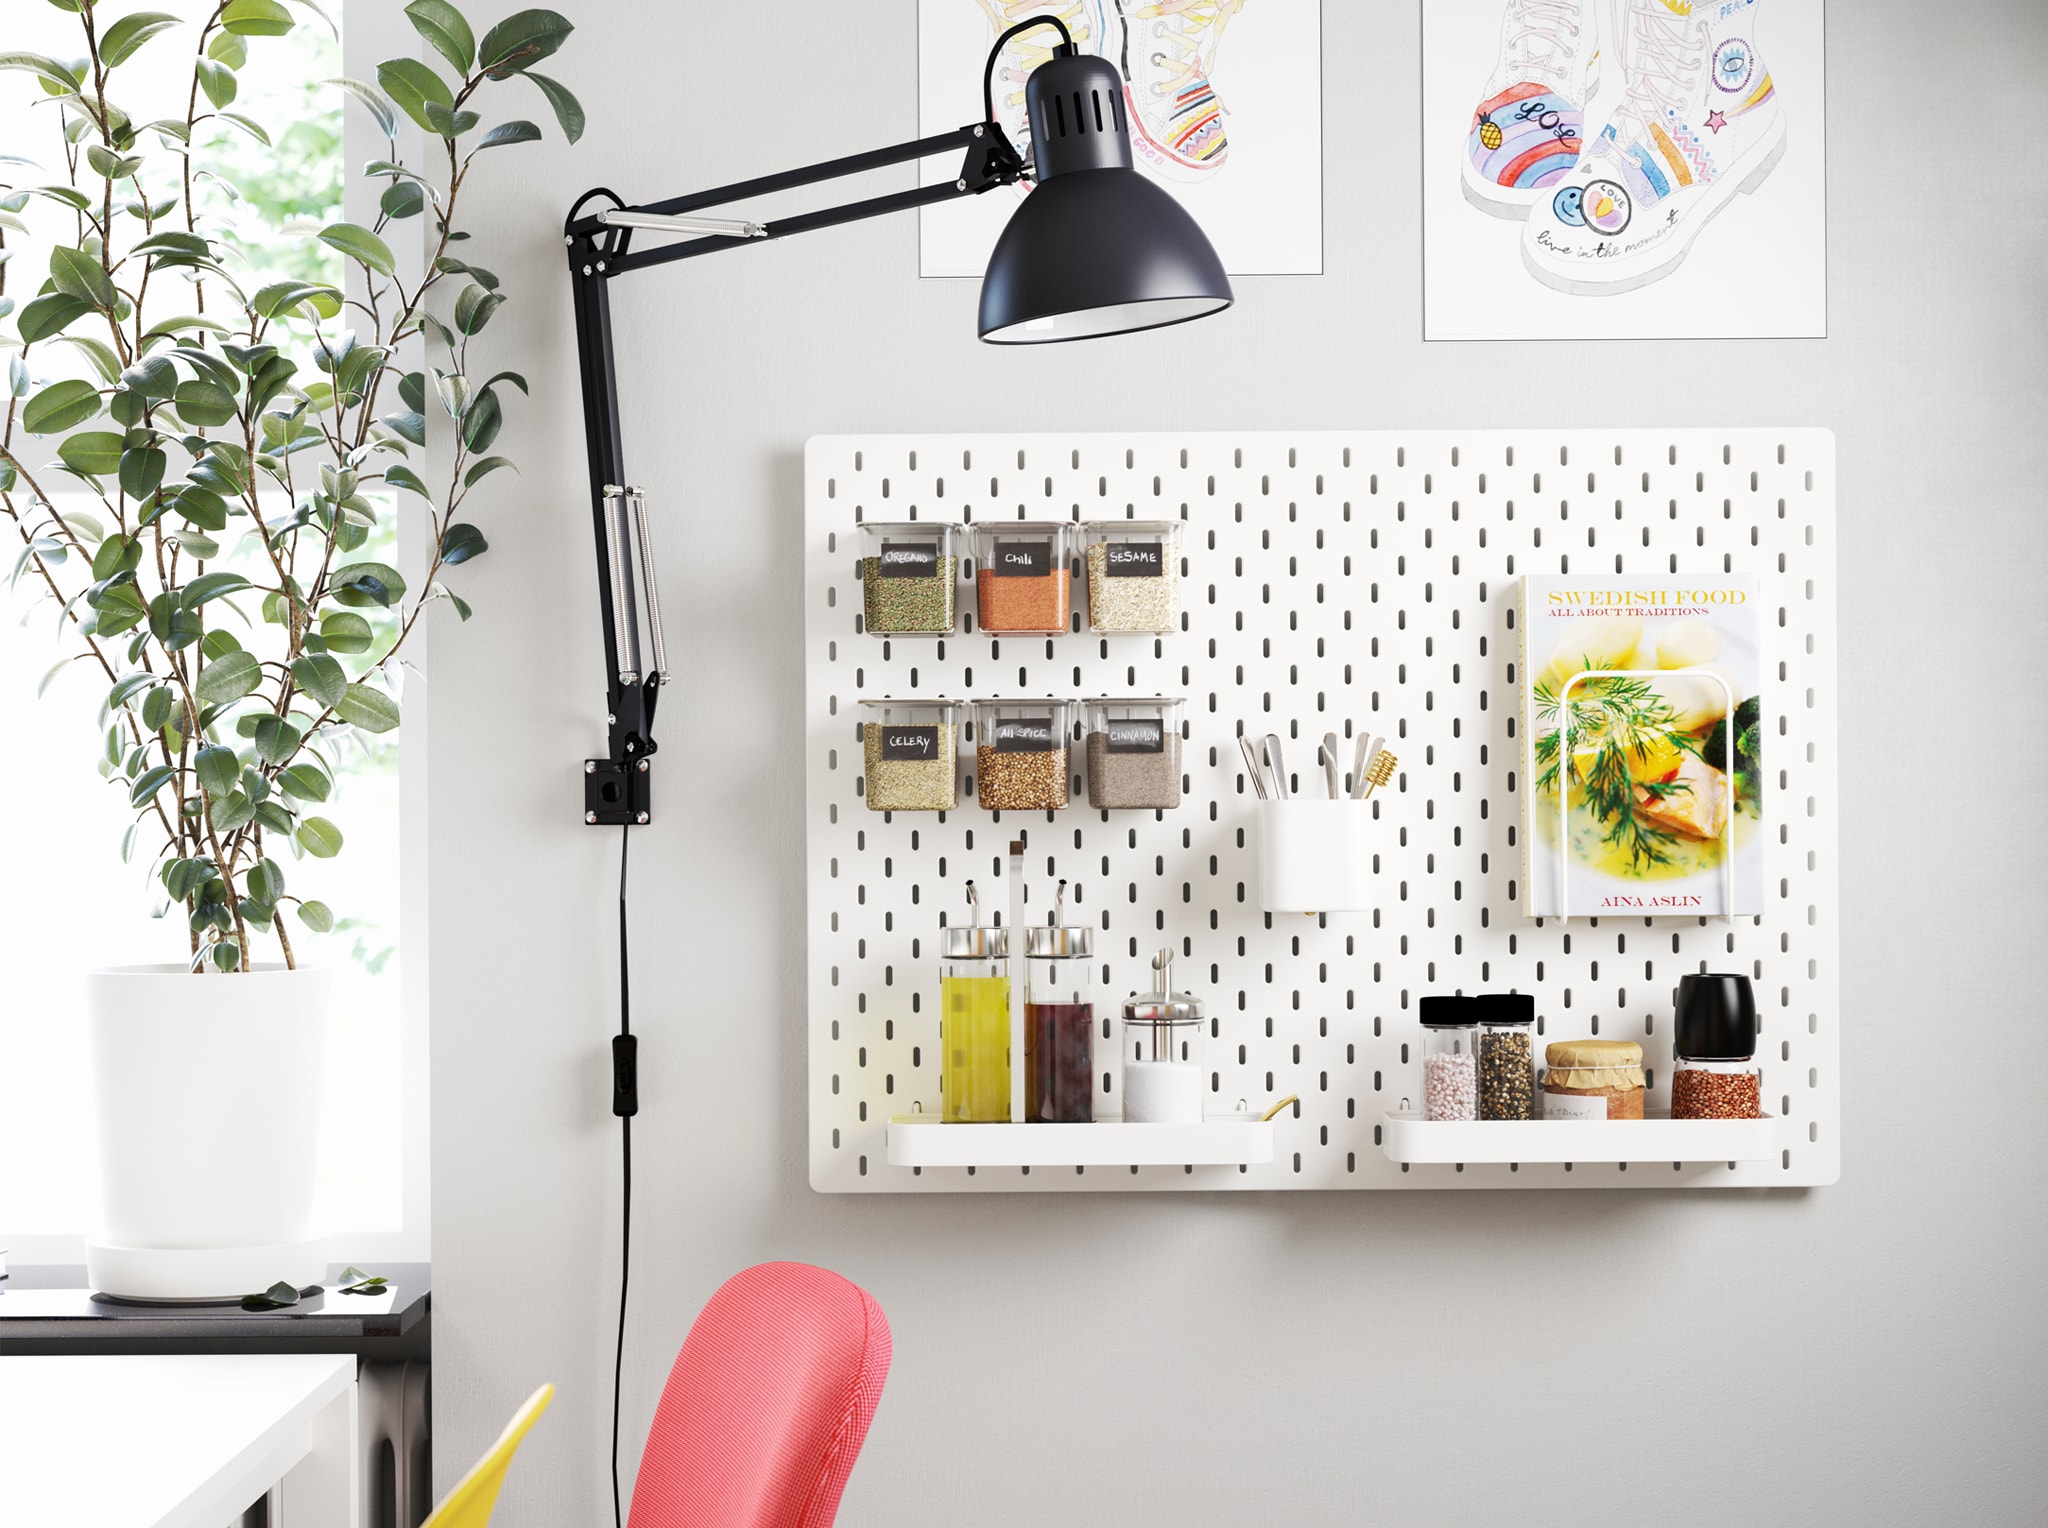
x: 1658, y: 1138
x: 1330, y: 581
x: 1219, y: 1141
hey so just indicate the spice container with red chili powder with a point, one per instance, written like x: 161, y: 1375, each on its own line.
x: 1021, y: 578
x: 1715, y: 1039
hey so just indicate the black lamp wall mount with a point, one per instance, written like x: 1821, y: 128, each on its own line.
x: 1096, y: 249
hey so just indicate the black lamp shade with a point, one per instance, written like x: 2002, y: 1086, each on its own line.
x: 1096, y: 248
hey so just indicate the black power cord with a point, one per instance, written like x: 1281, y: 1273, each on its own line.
x: 625, y: 1104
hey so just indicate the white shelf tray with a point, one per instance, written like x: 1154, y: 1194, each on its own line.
x: 1221, y: 1140
x: 1411, y: 1138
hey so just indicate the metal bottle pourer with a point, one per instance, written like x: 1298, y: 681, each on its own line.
x: 974, y: 940
x: 1162, y: 1010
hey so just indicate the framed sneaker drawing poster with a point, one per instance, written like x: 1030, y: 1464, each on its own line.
x: 1223, y: 97
x: 1623, y: 169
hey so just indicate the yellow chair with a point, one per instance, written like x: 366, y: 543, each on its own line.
x: 469, y: 1504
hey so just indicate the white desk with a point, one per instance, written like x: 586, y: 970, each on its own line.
x: 177, y: 1442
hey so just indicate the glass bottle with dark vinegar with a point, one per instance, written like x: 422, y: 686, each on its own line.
x: 1059, y: 1024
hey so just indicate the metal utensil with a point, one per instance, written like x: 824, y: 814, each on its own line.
x: 1251, y: 764
x: 1278, y: 765
x: 1363, y: 756
x: 1379, y: 769
x: 1330, y: 766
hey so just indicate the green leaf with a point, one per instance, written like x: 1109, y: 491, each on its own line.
x: 367, y: 583
x: 111, y: 166
x: 60, y: 406
x: 373, y: 99
x: 304, y: 782
x: 266, y: 880
x: 117, y: 609
x: 228, y: 679
x: 568, y: 110
x: 97, y: 452
x: 443, y: 26
x: 509, y: 132
x: 252, y: 128
x: 481, y: 421
x: 279, y: 299
x: 275, y: 818
x: 404, y: 477
x: 142, y: 471
x: 321, y: 677
x: 78, y: 274
x: 484, y: 468
x: 99, y: 352
x: 317, y: 916
x: 158, y: 706
x: 131, y: 32
x: 412, y: 85
x: 407, y: 426
x: 49, y: 69
x: 462, y: 542
x: 368, y: 708
x: 228, y: 49
x: 360, y: 244
x: 521, y: 40
x: 256, y: 18
x: 218, y: 81
x: 402, y: 199
x: 172, y: 624
x: 211, y: 586
x: 277, y: 739
x: 48, y: 314
x: 219, y: 771
x: 319, y: 838
x: 147, y: 784
x: 345, y: 632
x: 280, y: 1294
x: 151, y: 377
x: 238, y: 811
x: 203, y: 404
x: 117, y: 555
x: 474, y: 307
x: 227, y: 956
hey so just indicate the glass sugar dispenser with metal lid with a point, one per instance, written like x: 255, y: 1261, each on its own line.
x: 1162, y: 1052
x: 974, y: 1020
x: 1059, y: 1020
x: 909, y: 577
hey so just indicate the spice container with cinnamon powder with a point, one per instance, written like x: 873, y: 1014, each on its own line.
x: 1021, y: 578
x: 1717, y: 1076
x: 1593, y: 1079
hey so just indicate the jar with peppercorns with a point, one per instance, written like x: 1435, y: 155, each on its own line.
x: 1714, y: 1037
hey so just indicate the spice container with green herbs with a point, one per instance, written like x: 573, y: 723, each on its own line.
x: 1020, y: 754
x: 909, y: 577
x: 910, y: 761
x: 1133, y: 575
x: 1507, y: 1070
x: 1133, y: 752
x: 1021, y: 579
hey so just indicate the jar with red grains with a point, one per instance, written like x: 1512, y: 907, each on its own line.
x: 1714, y: 1037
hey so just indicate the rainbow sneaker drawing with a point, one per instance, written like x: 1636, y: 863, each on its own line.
x: 1166, y: 50
x: 1526, y: 131
x: 1086, y: 19
x: 1701, y: 121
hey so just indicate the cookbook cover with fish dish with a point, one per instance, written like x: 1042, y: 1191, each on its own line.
x: 1642, y: 742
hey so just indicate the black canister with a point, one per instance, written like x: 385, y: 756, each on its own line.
x: 1716, y: 1017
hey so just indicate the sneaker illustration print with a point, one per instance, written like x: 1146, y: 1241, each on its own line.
x: 1166, y: 50
x: 1701, y: 121
x: 1525, y: 132
x: 1087, y: 20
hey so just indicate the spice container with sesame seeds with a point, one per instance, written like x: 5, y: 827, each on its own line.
x: 1133, y: 575
x: 909, y: 577
x: 1021, y: 578
x: 1592, y: 1079
x: 1020, y: 754
x: 1507, y: 1063
x: 1714, y: 1038
x: 910, y: 762
x: 1133, y: 751
x: 1450, y: 1058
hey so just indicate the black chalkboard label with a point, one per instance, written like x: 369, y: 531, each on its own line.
x: 1027, y: 735
x: 1137, y: 735
x: 1022, y: 559
x: 1135, y: 559
x: 915, y: 745
x: 910, y: 559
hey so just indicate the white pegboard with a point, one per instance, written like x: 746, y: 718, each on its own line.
x: 1332, y: 578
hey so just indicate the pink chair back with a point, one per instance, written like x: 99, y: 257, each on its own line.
x: 767, y: 1406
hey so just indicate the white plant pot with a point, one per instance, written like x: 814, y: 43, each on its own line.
x: 208, y: 1089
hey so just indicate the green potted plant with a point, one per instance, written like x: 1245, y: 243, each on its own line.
x: 199, y: 460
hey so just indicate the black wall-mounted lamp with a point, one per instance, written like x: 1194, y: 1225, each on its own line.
x: 1095, y: 249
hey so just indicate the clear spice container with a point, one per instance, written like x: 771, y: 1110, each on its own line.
x: 910, y: 761
x: 1059, y: 1023
x: 1714, y: 1037
x: 909, y: 577
x: 1507, y: 1063
x: 1133, y: 574
x: 1021, y: 578
x: 1450, y: 1058
x: 974, y: 1022
x: 1020, y: 754
x: 1592, y: 1079
x: 1162, y: 1061
x: 1133, y: 752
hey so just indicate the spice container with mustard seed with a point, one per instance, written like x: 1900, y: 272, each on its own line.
x: 1162, y: 1060
x: 1059, y: 1020
x: 1133, y: 575
x: 909, y: 577
x: 1133, y: 752
x: 1507, y: 1066
x: 974, y: 1021
x: 1592, y: 1079
x: 1714, y: 1038
x: 1020, y: 754
x: 910, y: 760
x: 1022, y: 582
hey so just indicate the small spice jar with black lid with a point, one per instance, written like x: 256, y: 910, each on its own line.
x: 1507, y: 1061
x: 1714, y: 1037
x: 909, y: 577
x: 1020, y: 754
x: 1021, y: 578
x: 1133, y: 575
x: 1450, y: 1057
x: 1133, y: 752
x: 909, y: 759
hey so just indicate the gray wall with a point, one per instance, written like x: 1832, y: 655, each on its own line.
x: 1870, y: 1353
